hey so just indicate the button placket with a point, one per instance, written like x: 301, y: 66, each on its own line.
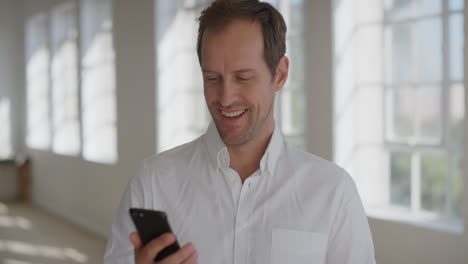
x: 244, y: 209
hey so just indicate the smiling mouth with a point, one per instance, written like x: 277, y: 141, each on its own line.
x: 233, y: 115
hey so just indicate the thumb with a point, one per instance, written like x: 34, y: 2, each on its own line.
x: 135, y: 240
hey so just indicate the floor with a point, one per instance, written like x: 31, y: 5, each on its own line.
x: 29, y: 235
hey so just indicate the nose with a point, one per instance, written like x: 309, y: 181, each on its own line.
x: 227, y: 94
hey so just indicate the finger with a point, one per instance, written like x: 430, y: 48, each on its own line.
x: 181, y: 255
x: 193, y: 259
x: 151, y: 250
x: 135, y: 239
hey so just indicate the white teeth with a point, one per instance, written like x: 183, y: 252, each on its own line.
x: 233, y: 114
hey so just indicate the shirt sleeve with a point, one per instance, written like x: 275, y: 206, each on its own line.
x: 350, y: 238
x: 119, y: 248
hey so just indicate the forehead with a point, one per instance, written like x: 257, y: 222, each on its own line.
x: 238, y: 44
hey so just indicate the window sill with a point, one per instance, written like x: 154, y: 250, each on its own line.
x: 423, y: 219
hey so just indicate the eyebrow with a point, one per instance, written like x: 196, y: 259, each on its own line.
x: 236, y: 71
x: 245, y: 70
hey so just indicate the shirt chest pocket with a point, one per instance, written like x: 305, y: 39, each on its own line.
x: 298, y: 247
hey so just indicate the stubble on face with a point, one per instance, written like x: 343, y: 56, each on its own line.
x: 238, y: 135
x: 234, y: 134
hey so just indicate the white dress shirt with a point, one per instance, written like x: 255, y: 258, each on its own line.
x: 297, y: 208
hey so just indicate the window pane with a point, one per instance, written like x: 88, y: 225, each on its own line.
x: 428, y: 114
x: 292, y: 97
x: 402, y: 110
x: 400, y: 178
x: 415, y: 51
x: 456, y: 4
x: 433, y: 182
x: 427, y: 49
x: 400, y: 68
x: 415, y: 115
x: 426, y: 7
x: 296, y: 67
x: 457, y: 187
x: 398, y: 8
x: 456, y: 40
x: 292, y: 112
x: 457, y: 115
x: 297, y: 15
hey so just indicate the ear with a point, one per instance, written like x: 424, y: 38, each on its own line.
x: 282, y: 71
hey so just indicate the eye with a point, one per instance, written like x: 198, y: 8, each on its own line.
x: 211, y: 78
x: 243, y: 78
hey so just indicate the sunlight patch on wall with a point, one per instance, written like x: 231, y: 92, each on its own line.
x: 99, y: 111
x: 66, y: 125
x: 38, y: 134
x: 182, y: 113
x: 6, y: 149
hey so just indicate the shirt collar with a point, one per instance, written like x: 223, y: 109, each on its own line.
x: 219, y: 154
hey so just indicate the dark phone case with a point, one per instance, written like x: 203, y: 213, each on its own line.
x: 151, y: 224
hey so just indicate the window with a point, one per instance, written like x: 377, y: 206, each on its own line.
x: 181, y: 109
x: 290, y: 102
x: 399, y: 105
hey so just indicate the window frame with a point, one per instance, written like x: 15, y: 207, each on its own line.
x: 414, y: 148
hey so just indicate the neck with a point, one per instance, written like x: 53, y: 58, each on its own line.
x: 245, y: 159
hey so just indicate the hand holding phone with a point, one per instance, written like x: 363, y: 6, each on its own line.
x: 154, y: 239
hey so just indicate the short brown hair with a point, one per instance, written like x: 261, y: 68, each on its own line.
x: 221, y: 12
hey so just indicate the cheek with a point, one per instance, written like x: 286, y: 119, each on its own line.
x: 263, y: 96
x: 209, y: 95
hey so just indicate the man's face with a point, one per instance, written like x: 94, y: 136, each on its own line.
x: 239, y: 87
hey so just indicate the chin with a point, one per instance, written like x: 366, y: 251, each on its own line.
x: 234, y: 142
x: 238, y: 139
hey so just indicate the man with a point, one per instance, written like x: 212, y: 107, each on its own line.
x: 239, y: 193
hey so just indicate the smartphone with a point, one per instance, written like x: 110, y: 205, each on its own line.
x: 150, y: 224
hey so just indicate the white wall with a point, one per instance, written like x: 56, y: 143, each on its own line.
x: 84, y: 192
x: 11, y: 65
